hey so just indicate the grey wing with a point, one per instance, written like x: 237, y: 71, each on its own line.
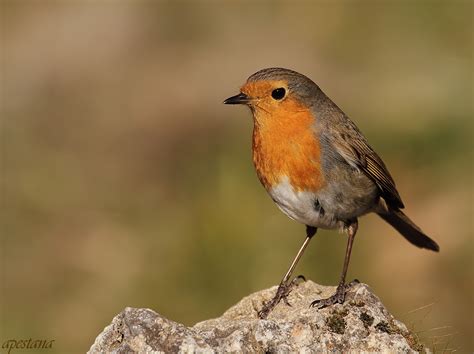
x: 351, y: 145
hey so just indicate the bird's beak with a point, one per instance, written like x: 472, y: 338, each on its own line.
x: 241, y: 98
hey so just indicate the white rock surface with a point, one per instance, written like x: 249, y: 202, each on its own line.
x: 362, y: 323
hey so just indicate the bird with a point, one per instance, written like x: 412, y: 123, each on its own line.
x: 318, y: 168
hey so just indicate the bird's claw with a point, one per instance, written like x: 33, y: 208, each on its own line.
x: 282, y: 293
x: 337, y: 298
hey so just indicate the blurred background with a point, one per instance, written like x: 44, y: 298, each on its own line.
x: 127, y: 182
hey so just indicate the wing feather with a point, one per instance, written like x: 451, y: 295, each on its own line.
x: 349, y: 143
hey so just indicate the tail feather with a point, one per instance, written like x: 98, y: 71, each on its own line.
x: 408, y: 229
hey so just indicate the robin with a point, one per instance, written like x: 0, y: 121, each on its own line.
x: 317, y: 167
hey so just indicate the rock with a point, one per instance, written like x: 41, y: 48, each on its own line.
x: 362, y: 323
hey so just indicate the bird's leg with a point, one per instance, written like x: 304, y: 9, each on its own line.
x: 340, y: 294
x: 286, y: 285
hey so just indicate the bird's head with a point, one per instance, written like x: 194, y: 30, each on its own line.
x: 275, y: 91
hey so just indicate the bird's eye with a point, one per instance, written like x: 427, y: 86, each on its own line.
x: 278, y: 93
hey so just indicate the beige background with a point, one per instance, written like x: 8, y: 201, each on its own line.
x: 127, y: 182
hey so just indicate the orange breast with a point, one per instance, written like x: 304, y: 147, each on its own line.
x: 284, y: 144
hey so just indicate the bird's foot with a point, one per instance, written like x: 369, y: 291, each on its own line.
x: 282, y: 293
x: 337, y: 298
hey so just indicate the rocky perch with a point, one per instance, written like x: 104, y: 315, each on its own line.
x: 362, y: 323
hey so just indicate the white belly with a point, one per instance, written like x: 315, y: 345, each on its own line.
x: 300, y: 206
